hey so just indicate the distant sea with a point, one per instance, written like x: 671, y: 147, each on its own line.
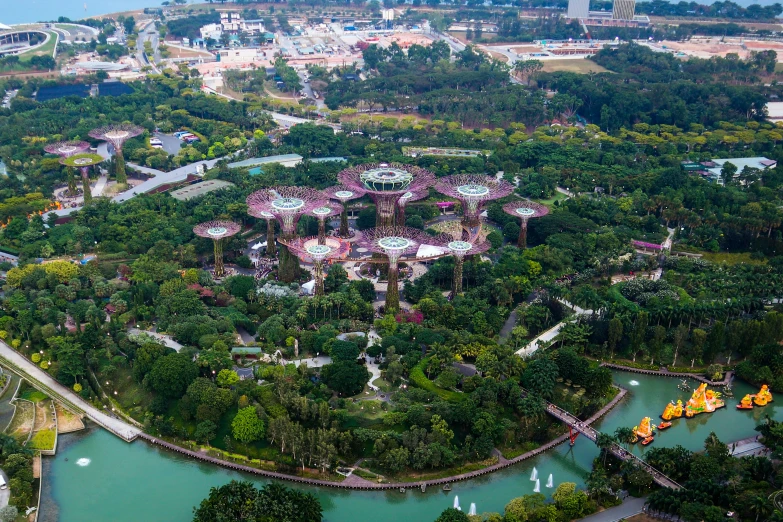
x: 23, y: 11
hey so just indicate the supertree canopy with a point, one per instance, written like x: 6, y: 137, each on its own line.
x: 287, y: 204
x: 386, y: 183
x: 525, y: 210
x: 67, y: 148
x: 459, y: 249
x: 343, y: 195
x: 472, y: 190
x: 398, y: 243
x: 83, y: 162
x: 117, y: 135
x: 217, y: 231
x: 310, y: 249
x: 322, y: 214
x: 406, y: 198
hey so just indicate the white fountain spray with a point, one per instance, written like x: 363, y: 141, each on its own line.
x: 537, y: 489
x: 472, y: 509
x: 456, y: 503
x: 534, y: 475
x: 549, y: 482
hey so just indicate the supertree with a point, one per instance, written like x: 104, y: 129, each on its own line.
x: 343, y: 195
x: 525, y: 210
x: 217, y: 231
x: 322, y: 214
x: 310, y: 249
x: 459, y: 249
x: 65, y: 149
x: 396, y: 243
x: 472, y: 190
x: 406, y: 198
x: 83, y: 162
x: 386, y: 183
x: 117, y: 135
x: 287, y: 204
x: 270, y: 231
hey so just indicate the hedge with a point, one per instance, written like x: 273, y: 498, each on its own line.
x: 420, y: 380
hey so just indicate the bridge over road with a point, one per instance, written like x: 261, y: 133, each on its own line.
x: 592, y: 434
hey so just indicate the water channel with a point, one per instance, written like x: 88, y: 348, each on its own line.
x: 104, y: 478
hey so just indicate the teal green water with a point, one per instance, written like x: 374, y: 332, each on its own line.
x: 131, y: 482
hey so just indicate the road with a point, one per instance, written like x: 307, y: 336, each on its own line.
x: 631, y: 506
x: 40, y: 379
x: 549, y: 335
x: 150, y: 34
x: 165, y: 339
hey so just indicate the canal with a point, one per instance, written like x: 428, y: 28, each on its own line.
x: 96, y: 476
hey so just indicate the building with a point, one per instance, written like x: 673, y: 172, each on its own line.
x: 578, y: 8
x: 711, y: 170
x: 213, y: 31
x: 236, y: 55
x: 230, y: 21
x: 286, y: 160
x: 623, y: 9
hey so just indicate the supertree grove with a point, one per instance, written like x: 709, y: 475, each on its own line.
x: 406, y: 198
x: 83, y: 162
x: 525, y: 210
x: 217, y: 231
x: 322, y: 214
x: 472, y: 190
x: 386, y: 183
x: 287, y: 204
x: 117, y: 135
x: 460, y: 249
x: 396, y: 243
x: 310, y: 249
x: 343, y: 195
x: 65, y: 149
x: 270, y: 231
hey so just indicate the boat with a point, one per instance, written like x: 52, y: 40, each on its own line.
x: 647, y: 440
x: 746, y: 403
x: 663, y: 425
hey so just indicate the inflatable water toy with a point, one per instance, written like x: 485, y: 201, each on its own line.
x: 672, y: 411
x: 763, y: 397
x: 746, y: 403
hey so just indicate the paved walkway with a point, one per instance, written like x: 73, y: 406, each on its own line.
x: 631, y: 506
x: 166, y: 339
x: 5, y: 494
x: 97, y: 190
x: 48, y: 385
x: 549, y: 335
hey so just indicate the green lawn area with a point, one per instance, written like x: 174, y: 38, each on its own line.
x: 581, y: 66
x: 558, y: 196
x: 42, y: 440
x: 46, y: 49
x: 732, y: 258
x: 131, y: 396
x: 32, y: 395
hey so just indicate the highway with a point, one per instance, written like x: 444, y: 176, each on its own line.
x: 148, y: 33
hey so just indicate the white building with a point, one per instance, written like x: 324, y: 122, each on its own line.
x: 230, y: 21
x: 237, y: 55
x: 214, y: 31
x: 578, y: 9
x: 623, y: 9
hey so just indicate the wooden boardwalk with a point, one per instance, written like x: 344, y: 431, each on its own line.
x: 727, y: 378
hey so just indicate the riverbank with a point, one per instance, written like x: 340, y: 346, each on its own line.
x: 663, y: 372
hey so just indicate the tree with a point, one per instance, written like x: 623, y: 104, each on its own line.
x: 227, y: 378
x: 452, y: 515
x: 345, y: 377
x: 8, y: 514
x: 540, y: 377
x: 638, y: 333
x: 680, y: 336
x: 246, y: 426
x: 171, y: 375
x: 615, y: 334
x: 241, y: 501
x: 698, y: 338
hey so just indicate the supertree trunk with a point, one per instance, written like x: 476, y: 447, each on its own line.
x: 220, y: 271
x: 456, y: 285
x: 522, y: 241
x: 288, y: 266
x: 384, y: 215
x: 319, y: 278
x: 86, y: 184
x: 344, y: 233
x: 271, y: 249
x: 321, y: 231
x: 392, y: 290
x: 401, y: 215
x: 119, y: 167
x: 71, y: 182
x: 470, y: 226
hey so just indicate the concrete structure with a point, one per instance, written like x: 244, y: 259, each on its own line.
x: 711, y: 170
x: 213, y: 31
x: 623, y: 9
x: 230, y: 21
x: 286, y: 160
x: 578, y: 8
x: 199, y: 189
x: 237, y: 55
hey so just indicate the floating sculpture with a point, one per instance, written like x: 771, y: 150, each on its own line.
x: 763, y: 396
x: 673, y: 411
x: 645, y: 428
x: 703, y: 401
x: 746, y: 403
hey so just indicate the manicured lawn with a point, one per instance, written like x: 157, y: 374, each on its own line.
x: 732, y: 258
x: 558, y: 196
x: 32, y: 395
x: 46, y: 49
x: 582, y: 66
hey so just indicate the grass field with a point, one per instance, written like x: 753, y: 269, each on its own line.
x: 583, y: 66
x: 558, y: 196
x: 732, y: 258
x: 46, y: 49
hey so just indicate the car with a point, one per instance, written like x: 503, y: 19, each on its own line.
x: 157, y: 146
x: 155, y: 141
x: 307, y: 80
x: 180, y: 134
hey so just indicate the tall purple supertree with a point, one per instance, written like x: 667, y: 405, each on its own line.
x: 271, y: 251
x: 406, y: 198
x: 322, y: 214
x: 287, y: 204
x: 65, y: 149
x: 310, y: 249
x: 472, y: 190
x: 396, y: 243
x: 117, y: 135
x: 343, y: 195
x: 217, y: 231
x: 525, y: 210
x: 83, y: 162
x: 460, y: 249
x: 386, y: 183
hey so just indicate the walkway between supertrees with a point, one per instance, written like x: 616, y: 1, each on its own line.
x: 472, y: 190
x: 66, y: 149
x: 460, y: 249
x: 343, y: 194
x: 117, y: 135
x: 287, y: 205
x: 311, y: 250
x: 83, y: 162
x: 322, y: 214
x: 386, y: 183
x: 406, y: 198
x: 217, y: 231
x: 525, y: 210
x: 402, y: 244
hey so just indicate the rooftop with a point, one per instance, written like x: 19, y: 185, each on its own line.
x: 282, y: 158
x: 199, y: 189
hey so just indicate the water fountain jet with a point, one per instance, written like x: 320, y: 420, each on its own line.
x: 456, y: 503
x: 549, y: 482
x: 472, y: 509
x: 534, y: 475
x: 537, y: 489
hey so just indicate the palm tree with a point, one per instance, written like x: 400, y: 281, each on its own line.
x: 760, y: 506
x: 604, y: 441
